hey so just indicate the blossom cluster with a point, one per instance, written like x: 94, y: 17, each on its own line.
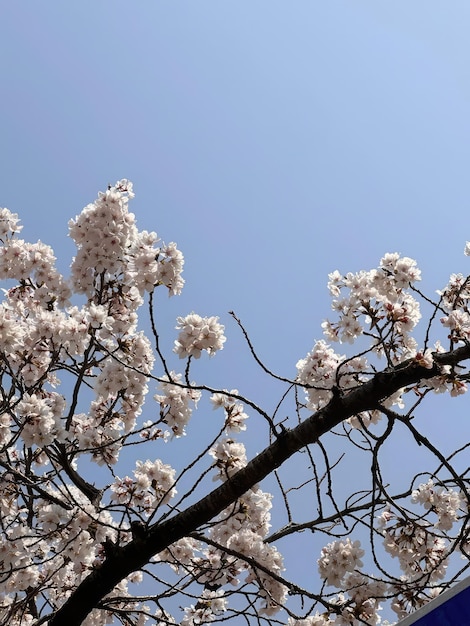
x: 418, y: 549
x: 152, y: 486
x: 338, y: 558
x: 111, y: 247
x: 59, y: 544
x: 242, y: 528
x: 40, y: 418
x: 198, y: 334
x: 229, y: 455
x: 323, y: 369
x: 235, y: 415
x: 208, y: 607
x: 373, y: 304
x: 359, y: 601
x: 378, y: 299
x: 455, y: 299
x: 379, y: 307
x: 32, y: 264
x: 175, y: 403
x: 9, y: 224
x: 445, y: 503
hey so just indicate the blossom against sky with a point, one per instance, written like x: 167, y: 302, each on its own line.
x: 274, y: 142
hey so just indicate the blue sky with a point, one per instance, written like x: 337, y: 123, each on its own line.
x: 273, y: 141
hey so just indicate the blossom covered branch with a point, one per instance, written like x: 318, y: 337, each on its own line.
x: 93, y: 506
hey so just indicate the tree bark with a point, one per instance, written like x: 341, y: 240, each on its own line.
x: 133, y: 556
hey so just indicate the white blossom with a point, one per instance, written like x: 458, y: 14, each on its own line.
x: 338, y: 558
x: 198, y: 334
x: 175, y: 403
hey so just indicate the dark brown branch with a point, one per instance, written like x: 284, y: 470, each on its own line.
x: 138, y: 552
x: 90, y: 491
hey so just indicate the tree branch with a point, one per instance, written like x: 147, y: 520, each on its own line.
x: 133, y: 556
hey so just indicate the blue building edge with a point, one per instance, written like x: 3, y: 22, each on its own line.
x: 450, y: 608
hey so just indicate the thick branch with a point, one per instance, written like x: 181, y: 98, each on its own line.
x: 133, y: 556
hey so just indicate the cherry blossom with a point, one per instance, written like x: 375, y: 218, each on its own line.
x: 175, y: 403
x: 445, y: 503
x: 235, y: 415
x: 80, y: 507
x: 338, y: 558
x: 198, y: 334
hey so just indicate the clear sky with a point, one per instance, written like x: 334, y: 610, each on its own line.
x: 274, y: 141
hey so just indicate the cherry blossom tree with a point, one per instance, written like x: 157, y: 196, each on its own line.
x: 89, y: 539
